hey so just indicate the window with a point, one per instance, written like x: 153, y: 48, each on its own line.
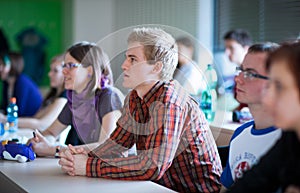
x: 276, y: 20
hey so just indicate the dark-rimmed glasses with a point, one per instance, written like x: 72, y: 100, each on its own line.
x: 250, y: 75
x: 70, y: 65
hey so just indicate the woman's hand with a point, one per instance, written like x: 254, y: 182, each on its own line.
x: 41, y: 146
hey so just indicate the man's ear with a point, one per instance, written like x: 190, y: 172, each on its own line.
x: 158, y: 66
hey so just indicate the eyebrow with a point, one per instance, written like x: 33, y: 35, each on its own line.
x: 249, y: 69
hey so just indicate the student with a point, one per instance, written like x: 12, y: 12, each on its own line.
x: 16, y: 84
x: 93, y: 105
x: 280, y: 167
x: 187, y: 73
x: 53, y: 102
x: 254, y: 138
x: 237, y: 42
x: 175, y: 147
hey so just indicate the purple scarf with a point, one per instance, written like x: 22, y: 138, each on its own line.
x: 85, y: 116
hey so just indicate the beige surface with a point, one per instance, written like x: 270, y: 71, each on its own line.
x: 222, y: 127
x: 44, y: 175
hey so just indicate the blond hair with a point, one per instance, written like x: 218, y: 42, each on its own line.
x: 158, y: 46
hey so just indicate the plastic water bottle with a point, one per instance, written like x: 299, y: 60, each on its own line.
x: 12, y: 115
x: 208, y: 102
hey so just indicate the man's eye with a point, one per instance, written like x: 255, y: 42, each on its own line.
x: 132, y: 59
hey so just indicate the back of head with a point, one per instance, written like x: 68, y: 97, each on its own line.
x: 267, y: 47
x: 241, y: 36
x: 89, y: 54
x: 158, y: 46
x: 17, y: 63
x: 287, y: 54
x: 187, y: 42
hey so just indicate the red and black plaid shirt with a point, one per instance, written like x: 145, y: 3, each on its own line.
x: 175, y: 147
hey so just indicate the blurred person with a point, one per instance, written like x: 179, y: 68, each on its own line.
x: 175, y: 147
x: 93, y: 105
x: 237, y: 42
x: 187, y: 73
x: 16, y: 84
x: 253, y: 139
x: 52, y: 104
x: 280, y: 167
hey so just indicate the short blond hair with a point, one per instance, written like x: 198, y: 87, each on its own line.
x: 158, y: 46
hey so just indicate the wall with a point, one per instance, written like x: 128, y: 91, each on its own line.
x: 107, y: 22
x: 45, y: 16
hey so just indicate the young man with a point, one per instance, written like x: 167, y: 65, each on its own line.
x: 187, y: 73
x: 237, y: 43
x: 175, y: 147
x: 253, y: 139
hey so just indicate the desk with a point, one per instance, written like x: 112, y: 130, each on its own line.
x: 222, y: 127
x: 45, y: 175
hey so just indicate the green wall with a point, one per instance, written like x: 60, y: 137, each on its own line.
x: 44, y: 15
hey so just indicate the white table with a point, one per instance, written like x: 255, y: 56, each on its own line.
x: 44, y: 175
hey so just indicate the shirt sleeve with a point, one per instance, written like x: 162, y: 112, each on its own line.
x: 226, y: 177
x: 162, y: 139
x: 65, y: 116
x: 108, y: 101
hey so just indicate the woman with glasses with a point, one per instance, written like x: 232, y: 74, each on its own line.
x: 93, y: 105
x: 279, y: 169
x: 53, y: 102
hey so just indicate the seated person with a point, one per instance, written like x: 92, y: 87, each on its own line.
x: 175, y: 147
x: 279, y: 169
x: 254, y: 138
x: 187, y: 73
x: 93, y: 105
x: 16, y: 84
x: 53, y: 102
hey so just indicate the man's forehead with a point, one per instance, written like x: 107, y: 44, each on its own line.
x: 255, y: 60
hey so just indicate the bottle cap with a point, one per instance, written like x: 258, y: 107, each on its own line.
x: 13, y: 100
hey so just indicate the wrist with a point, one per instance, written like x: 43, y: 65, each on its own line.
x: 57, y: 150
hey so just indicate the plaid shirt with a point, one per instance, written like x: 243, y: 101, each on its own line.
x: 175, y: 147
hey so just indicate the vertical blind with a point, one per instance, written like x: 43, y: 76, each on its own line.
x: 266, y: 20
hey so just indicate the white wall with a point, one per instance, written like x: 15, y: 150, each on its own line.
x: 106, y: 22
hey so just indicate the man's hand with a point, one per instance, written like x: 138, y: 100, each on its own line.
x: 77, y: 167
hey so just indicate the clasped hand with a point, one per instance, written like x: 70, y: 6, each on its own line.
x: 73, y: 160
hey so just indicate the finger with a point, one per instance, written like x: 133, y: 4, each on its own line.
x: 65, y: 162
x: 72, y: 148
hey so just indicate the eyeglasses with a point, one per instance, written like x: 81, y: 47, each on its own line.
x: 70, y: 65
x: 250, y: 75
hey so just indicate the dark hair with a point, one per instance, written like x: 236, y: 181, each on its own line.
x: 263, y: 47
x: 89, y: 54
x: 241, y: 36
x: 290, y: 53
x: 16, y: 62
x: 185, y: 41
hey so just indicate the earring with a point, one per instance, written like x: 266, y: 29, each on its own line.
x: 89, y: 75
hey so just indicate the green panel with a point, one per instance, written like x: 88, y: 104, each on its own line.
x: 44, y: 15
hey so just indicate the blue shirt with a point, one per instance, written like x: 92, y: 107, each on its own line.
x: 27, y: 93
